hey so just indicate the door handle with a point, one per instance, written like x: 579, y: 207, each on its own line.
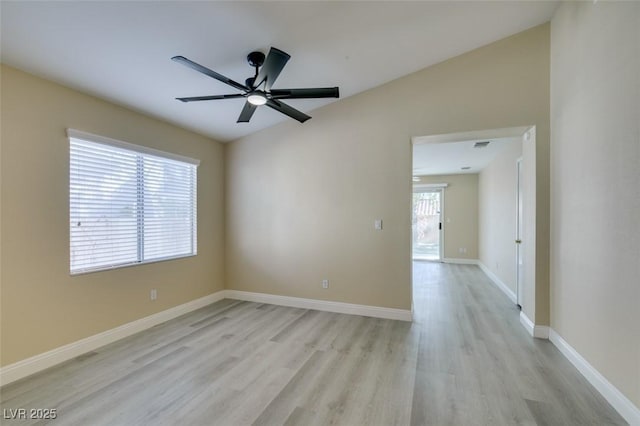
x: 518, y: 241
x: 440, y: 226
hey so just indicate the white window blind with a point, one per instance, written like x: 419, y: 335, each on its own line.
x: 128, y: 204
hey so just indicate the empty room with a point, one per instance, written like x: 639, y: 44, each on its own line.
x: 320, y: 212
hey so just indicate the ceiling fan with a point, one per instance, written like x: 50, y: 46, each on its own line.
x: 258, y: 89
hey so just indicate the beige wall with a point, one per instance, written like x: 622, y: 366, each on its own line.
x: 301, y: 199
x: 595, y: 211
x: 43, y: 307
x: 460, y: 214
x: 497, y: 214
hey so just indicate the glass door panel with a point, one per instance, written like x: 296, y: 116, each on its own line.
x: 426, y: 225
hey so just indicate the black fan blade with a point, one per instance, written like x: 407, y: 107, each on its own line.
x: 247, y: 112
x: 287, y: 110
x: 210, y: 73
x: 319, y: 92
x: 210, y: 98
x: 270, y: 70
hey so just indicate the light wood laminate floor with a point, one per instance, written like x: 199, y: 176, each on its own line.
x: 465, y: 360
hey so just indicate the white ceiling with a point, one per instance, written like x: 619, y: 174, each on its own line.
x: 121, y: 51
x: 447, y: 154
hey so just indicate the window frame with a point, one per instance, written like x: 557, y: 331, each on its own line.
x: 144, y: 151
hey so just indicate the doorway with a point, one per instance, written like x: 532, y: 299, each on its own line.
x: 427, y: 224
x: 510, y: 265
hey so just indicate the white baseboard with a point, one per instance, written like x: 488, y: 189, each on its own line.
x: 322, y: 305
x: 34, y: 364
x: 621, y: 403
x: 537, y: 331
x: 498, y: 282
x: 460, y: 261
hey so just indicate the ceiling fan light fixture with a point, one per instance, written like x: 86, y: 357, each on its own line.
x: 257, y: 99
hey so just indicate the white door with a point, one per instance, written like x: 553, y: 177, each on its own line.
x: 519, y: 246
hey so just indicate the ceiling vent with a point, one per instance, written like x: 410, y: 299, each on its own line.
x: 481, y: 144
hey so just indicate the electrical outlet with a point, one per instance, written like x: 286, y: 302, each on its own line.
x: 154, y: 294
x: 325, y: 283
x: 377, y: 224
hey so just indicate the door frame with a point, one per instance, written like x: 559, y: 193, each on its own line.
x: 529, y: 289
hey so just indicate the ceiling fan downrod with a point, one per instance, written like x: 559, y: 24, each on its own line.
x: 255, y: 59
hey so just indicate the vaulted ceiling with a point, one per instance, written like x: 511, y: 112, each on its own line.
x: 121, y: 51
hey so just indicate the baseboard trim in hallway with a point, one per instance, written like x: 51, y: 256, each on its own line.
x: 40, y: 362
x: 457, y: 261
x: 537, y: 331
x: 621, y: 403
x: 498, y: 282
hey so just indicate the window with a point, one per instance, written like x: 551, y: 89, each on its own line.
x: 128, y: 204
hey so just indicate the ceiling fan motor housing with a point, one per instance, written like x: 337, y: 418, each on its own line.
x: 255, y: 59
